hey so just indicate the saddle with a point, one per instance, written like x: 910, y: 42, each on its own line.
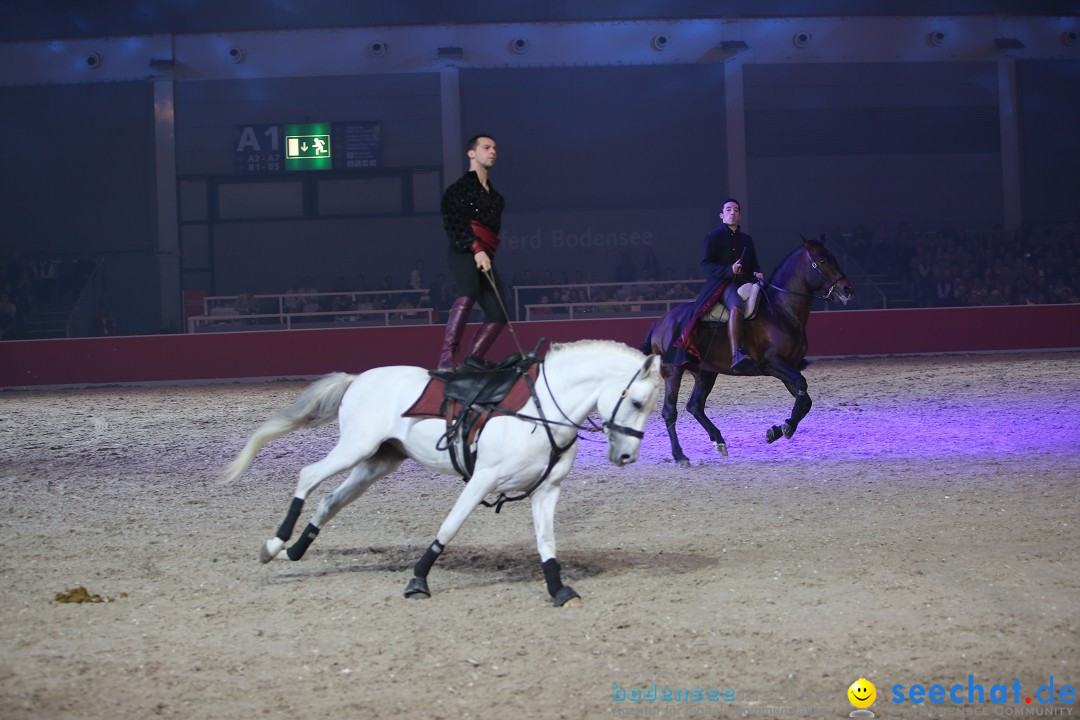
x: 468, y: 396
x: 749, y: 292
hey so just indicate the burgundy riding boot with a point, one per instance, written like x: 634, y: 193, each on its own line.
x: 485, y: 337
x: 740, y: 361
x: 455, y: 327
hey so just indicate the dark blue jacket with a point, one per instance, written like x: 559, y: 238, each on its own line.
x: 720, y: 249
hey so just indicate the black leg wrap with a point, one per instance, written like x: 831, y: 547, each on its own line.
x: 298, y: 548
x: 423, y: 566
x: 803, y: 403
x: 552, y: 576
x: 285, y: 531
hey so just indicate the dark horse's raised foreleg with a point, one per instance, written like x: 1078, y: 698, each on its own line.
x: 796, y: 384
x: 703, y: 385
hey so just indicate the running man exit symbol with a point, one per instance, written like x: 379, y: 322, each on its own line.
x: 308, y: 146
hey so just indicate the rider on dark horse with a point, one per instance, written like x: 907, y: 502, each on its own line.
x: 729, y: 260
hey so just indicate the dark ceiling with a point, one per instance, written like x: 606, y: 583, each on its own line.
x: 47, y: 19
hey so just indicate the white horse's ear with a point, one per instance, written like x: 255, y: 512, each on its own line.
x: 648, y: 366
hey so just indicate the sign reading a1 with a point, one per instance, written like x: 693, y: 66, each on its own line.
x: 307, y: 147
x: 258, y: 148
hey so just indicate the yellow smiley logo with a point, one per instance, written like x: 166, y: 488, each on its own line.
x: 862, y: 693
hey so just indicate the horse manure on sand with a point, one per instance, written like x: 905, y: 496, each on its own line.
x: 82, y: 595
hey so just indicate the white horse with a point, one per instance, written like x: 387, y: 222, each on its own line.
x: 530, y: 452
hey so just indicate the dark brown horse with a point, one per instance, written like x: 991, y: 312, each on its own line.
x: 775, y: 338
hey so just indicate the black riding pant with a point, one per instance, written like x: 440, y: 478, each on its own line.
x: 473, y: 284
x: 732, y: 299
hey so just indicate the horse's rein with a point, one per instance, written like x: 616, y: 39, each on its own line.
x: 827, y: 296
x: 506, y: 313
x: 608, y: 424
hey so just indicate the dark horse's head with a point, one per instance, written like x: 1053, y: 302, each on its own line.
x: 825, y: 275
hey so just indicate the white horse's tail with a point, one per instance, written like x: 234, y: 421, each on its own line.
x: 316, y: 406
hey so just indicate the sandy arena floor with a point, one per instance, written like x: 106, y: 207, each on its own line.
x: 920, y: 528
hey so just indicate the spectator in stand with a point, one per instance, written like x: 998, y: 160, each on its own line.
x: 101, y: 325
x: 294, y: 304
x: 416, y: 276
x: 650, y: 268
x: 543, y: 311
x: 943, y: 288
x: 443, y: 293
x: 9, y: 318
x: 246, y: 302
x: 340, y: 297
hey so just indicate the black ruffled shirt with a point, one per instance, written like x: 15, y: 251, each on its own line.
x: 465, y: 201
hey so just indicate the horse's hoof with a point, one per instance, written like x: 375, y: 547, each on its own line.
x: 789, y: 430
x: 773, y: 434
x: 566, y: 596
x: 270, y: 549
x: 417, y: 589
x: 720, y: 447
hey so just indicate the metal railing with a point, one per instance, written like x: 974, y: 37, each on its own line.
x: 304, y: 310
x: 869, y: 292
x: 523, y: 308
x: 306, y: 302
x: 606, y: 309
x: 239, y: 322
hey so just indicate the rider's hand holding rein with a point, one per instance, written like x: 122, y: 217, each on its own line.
x: 736, y: 270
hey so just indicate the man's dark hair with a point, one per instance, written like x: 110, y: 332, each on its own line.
x: 730, y: 200
x: 471, y: 145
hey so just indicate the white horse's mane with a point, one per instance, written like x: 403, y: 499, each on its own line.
x: 628, y: 351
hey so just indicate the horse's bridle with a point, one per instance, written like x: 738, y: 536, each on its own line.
x: 828, y: 296
x: 608, y: 425
x: 611, y: 424
x: 557, y: 451
x: 835, y: 281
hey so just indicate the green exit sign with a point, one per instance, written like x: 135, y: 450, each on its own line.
x: 307, y: 147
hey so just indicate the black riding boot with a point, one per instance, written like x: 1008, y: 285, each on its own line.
x: 455, y: 326
x: 485, y: 338
x: 740, y: 361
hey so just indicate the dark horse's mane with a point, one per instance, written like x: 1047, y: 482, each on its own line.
x: 782, y: 263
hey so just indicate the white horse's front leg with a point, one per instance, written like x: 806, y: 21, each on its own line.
x: 544, y: 500
x: 479, y: 486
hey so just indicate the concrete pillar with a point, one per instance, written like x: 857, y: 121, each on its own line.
x: 453, y: 152
x: 167, y: 244
x: 735, y: 112
x: 1008, y: 114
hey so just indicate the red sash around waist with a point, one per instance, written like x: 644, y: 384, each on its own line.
x: 486, y: 239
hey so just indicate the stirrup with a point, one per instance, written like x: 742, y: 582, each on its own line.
x: 741, y: 362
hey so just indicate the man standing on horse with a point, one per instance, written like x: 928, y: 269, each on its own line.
x: 729, y: 260
x: 472, y: 214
